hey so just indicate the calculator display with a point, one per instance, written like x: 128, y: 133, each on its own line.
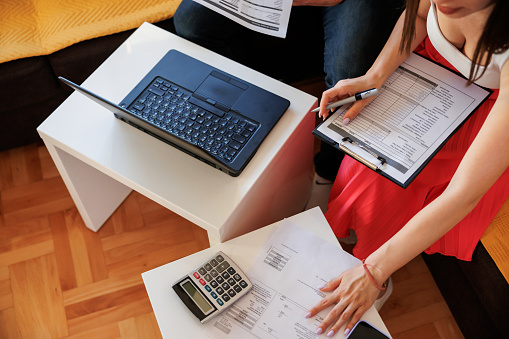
x: 197, y: 297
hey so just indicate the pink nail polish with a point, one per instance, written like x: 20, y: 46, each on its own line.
x: 346, y: 121
x: 318, y: 331
x: 330, y: 334
x: 308, y: 315
x: 347, y: 331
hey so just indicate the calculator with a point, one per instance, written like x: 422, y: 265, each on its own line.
x: 212, y: 287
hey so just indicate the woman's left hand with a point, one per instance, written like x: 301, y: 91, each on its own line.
x: 353, y: 293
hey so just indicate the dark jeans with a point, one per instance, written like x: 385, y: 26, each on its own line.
x: 345, y: 39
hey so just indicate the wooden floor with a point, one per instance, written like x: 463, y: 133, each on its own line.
x: 60, y: 280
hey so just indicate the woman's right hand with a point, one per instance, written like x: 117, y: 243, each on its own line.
x: 344, y: 89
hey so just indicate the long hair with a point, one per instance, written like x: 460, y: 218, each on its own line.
x: 494, y: 38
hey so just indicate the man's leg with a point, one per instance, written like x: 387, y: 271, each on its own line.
x: 355, y: 33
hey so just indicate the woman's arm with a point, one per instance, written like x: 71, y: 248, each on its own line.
x: 485, y: 161
x: 387, y: 62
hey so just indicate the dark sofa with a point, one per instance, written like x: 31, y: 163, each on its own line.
x: 31, y: 90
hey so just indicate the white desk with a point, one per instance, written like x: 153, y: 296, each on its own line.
x: 102, y: 159
x: 176, y: 321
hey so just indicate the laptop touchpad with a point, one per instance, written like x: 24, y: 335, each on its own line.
x: 225, y: 90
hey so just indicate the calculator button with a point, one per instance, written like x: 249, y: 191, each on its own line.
x: 202, y: 282
x: 225, y: 275
x: 219, y: 290
x: 226, y: 298
x: 214, y: 284
x: 222, y: 266
x: 213, y: 295
x: 225, y: 286
x: 214, y: 262
x: 220, y: 302
x: 219, y: 258
x: 231, y: 281
x: 237, y: 277
x: 220, y: 279
x: 208, y: 266
x: 243, y: 284
x: 196, y: 275
x: 231, y: 293
x: 207, y: 287
x: 214, y: 273
x: 202, y: 270
x: 232, y: 271
x: 207, y: 277
x: 237, y: 288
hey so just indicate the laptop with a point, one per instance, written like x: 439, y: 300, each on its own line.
x: 199, y: 109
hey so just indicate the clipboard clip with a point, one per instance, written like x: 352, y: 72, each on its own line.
x: 357, y: 157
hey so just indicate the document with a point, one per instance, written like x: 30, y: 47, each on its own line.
x: 285, y: 276
x: 264, y: 16
x: 419, y: 107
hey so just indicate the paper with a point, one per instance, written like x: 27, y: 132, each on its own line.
x: 265, y: 16
x: 291, y: 265
x: 417, y: 110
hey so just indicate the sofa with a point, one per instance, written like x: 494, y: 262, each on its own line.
x: 477, y: 292
x: 30, y: 66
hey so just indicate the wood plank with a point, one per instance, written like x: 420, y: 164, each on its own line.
x: 38, y: 302
x: 25, y: 202
x: 108, y: 331
x: 79, y: 251
x: 48, y: 168
x: 63, y: 251
x: 140, y: 327
x: 5, y: 294
x: 114, y: 314
x: 26, y: 253
x: 8, y: 324
x: 106, y: 301
x: 447, y: 328
x: 99, y: 288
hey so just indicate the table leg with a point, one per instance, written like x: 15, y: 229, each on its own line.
x: 95, y: 194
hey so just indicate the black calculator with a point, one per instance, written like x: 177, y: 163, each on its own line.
x: 212, y: 287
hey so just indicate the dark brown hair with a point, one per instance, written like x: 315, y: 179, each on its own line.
x: 494, y: 38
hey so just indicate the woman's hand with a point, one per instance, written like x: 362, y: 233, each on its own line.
x: 353, y: 294
x: 344, y: 89
x: 318, y: 3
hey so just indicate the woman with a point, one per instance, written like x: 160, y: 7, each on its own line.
x: 449, y: 205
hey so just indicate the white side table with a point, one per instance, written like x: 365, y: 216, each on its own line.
x: 102, y: 159
x: 175, y: 321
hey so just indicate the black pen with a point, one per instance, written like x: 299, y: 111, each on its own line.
x: 358, y: 96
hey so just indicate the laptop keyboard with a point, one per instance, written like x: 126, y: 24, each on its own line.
x: 168, y: 107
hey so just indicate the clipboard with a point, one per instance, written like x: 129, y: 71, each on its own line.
x: 420, y: 106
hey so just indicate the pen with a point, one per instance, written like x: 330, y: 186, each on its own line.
x: 358, y: 96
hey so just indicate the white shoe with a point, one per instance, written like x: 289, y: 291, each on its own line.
x: 381, y: 301
x: 320, y: 192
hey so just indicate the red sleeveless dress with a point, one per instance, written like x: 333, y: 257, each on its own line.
x: 376, y: 208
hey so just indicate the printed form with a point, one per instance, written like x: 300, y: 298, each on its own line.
x: 285, y: 276
x: 419, y: 107
x: 264, y: 16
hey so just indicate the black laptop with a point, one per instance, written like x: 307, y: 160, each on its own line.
x: 199, y: 109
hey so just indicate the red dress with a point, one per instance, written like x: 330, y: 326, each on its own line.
x: 376, y: 208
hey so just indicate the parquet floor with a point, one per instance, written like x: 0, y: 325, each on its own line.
x: 60, y: 280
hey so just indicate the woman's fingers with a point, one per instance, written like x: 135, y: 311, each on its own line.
x: 355, y: 318
x: 352, y: 311
x: 355, y: 110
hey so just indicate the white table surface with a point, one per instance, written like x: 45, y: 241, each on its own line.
x: 102, y: 159
x: 176, y: 321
